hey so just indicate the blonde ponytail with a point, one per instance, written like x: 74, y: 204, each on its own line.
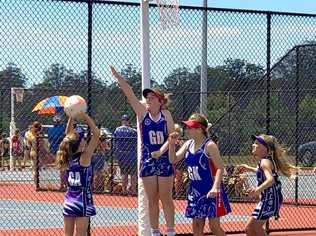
x: 279, y: 154
x: 282, y: 165
x: 64, y: 152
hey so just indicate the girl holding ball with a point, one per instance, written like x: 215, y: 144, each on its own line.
x: 74, y: 157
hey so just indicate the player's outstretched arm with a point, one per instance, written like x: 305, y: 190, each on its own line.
x: 246, y: 168
x: 85, y: 158
x: 70, y: 126
x: 174, y: 156
x: 137, y: 106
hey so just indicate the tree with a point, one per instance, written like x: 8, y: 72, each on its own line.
x: 11, y: 76
x: 238, y: 74
x: 14, y: 75
x: 185, y: 87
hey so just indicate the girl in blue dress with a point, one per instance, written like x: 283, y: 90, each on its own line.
x: 270, y: 156
x: 155, y: 123
x: 206, y: 195
x: 74, y: 157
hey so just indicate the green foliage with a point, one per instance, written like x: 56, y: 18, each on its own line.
x: 236, y: 83
x: 11, y: 76
x: 307, y: 108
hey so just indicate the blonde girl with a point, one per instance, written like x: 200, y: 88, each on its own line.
x: 74, y: 157
x: 207, y: 198
x: 270, y: 156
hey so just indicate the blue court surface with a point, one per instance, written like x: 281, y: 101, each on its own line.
x: 22, y: 214
x: 29, y: 214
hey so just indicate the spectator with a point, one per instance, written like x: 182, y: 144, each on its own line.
x: 56, y: 134
x: 99, y: 163
x: 17, y: 149
x: 26, y: 145
x: 35, y: 132
x: 125, y: 148
x: 31, y: 142
x: 180, y: 167
x: 44, y: 155
x: 4, y: 151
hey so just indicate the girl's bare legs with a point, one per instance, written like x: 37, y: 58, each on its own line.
x: 82, y: 224
x: 2, y: 163
x: 124, y: 184
x: 26, y: 157
x: 151, y: 190
x: 69, y: 225
x: 19, y: 163
x: 133, y: 188
x: 255, y: 227
x: 198, y: 227
x: 215, y: 227
x: 165, y: 185
x: 14, y: 162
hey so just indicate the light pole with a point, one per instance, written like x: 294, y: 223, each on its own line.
x: 203, y: 89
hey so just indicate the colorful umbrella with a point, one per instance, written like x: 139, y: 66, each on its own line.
x: 51, y: 105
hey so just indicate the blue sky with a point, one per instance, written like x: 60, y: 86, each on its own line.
x: 303, y: 6
x: 35, y: 34
x: 297, y: 6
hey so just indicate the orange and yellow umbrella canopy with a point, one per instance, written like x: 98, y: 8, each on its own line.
x: 50, y: 106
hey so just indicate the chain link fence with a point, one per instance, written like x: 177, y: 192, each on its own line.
x: 260, y: 79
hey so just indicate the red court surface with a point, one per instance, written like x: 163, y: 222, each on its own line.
x: 291, y: 216
x: 293, y: 233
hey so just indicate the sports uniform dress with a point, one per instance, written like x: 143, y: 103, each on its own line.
x: 271, y: 198
x: 201, y: 172
x: 154, y: 134
x: 78, y: 198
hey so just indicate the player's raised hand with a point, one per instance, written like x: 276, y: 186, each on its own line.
x: 156, y: 154
x: 115, y: 73
x: 173, y: 137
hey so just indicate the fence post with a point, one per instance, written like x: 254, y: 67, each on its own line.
x: 89, y: 57
x: 268, y: 92
x: 203, y: 79
x: 229, y: 128
x: 297, y: 99
x: 89, y: 102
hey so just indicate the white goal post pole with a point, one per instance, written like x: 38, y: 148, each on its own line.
x: 12, y: 120
x: 143, y: 216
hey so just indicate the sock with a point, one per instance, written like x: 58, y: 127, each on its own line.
x: 171, y: 232
x: 155, y: 232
